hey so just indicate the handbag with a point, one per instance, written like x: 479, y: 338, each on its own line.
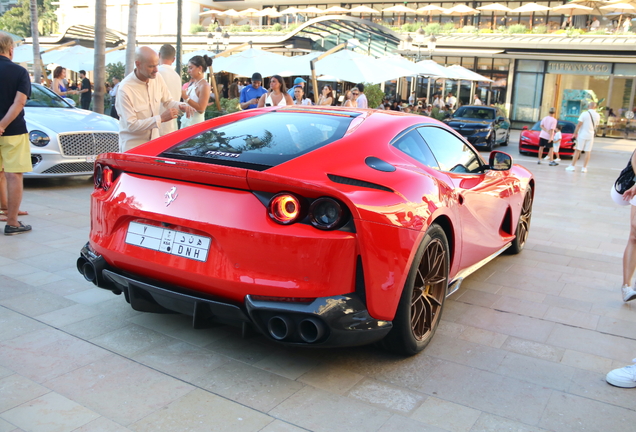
x: 625, y: 179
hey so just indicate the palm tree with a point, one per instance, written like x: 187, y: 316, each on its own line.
x: 99, y: 67
x: 132, y: 36
x: 35, y: 35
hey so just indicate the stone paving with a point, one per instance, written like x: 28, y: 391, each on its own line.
x: 523, y: 346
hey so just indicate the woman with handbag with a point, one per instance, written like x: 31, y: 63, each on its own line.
x: 624, y: 193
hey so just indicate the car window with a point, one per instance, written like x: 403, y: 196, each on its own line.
x: 413, y: 145
x: 262, y: 141
x: 475, y: 113
x: 451, y: 153
x: 568, y: 127
x: 42, y: 97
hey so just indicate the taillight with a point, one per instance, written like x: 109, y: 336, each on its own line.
x: 327, y: 214
x: 285, y: 208
x: 103, y: 177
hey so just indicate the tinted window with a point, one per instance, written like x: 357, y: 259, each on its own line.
x: 475, y: 113
x: 262, y: 141
x: 413, y: 145
x: 450, y: 152
x: 568, y: 127
x: 43, y: 97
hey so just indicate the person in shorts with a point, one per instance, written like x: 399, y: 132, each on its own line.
x: 15, y: 152
x: 629, y: 256
x: 546, y: 136
x: 584, y: 136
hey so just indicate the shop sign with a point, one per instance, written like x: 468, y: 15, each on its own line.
x: 579, y: 68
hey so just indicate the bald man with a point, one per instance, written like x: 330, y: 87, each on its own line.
x: 139, y: 100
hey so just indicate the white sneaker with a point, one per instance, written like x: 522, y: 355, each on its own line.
x: 546, y: 158
x: 623, y: 377
x: 583, y: 169
x: 557, y: 160
x: 570, y: 168
x: 628, y: 293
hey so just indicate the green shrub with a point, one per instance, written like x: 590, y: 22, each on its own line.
x: 485, y: 31
x: 502, y: 29
x: 374, y: 94
x: 277, y: 27
x: 437, y: 114
x: 540, y: 29
x: 115, y: 70
x: 574, y: 32
x: 449, y: 27
x: 595, y: 32
x: 409, y: 28
x: 245, y: 28
x: 228, y: 106
x: 517, y: 29
x: 433, y: 29
x: 196, y: 28
x: 292, y: 27
x: 558, y: 32
x: 468, y: 29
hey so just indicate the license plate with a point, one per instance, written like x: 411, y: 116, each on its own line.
x: 168, y: 241
x: 91, y: 159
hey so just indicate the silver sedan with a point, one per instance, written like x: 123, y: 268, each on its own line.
x: 64, y: 139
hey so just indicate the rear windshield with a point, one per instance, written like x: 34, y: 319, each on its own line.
x: 263, y: 141
x: 568, y: 127
x: 475, y: 113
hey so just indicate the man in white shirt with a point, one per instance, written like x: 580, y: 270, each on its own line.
x: 477, y: 101
x: 584, y: 135
x: 167, y: 54
x: 412, y: 99
x: 362, y: 99
x: 139, y: 99
x: 451, y: 100
x: 595, y: 24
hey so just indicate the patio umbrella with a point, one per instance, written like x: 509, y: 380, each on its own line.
x: 350, y: 66
x: 572, y: 9
x: 252, y: 60
x: 290, y: 11
x: 364, y: 10
x: 434, y: 69
x: 461, y: 10
x: 312, y: 10
x: 336, y: 10
x: 74, y: 58
x: 494, y: 7
x: 23, y: 53
x: 430, y: 10
x: 621, y: 8
x: 210, y: 12
x: 230, y: 13
x: 466, y: 74
x: 530, y: 8
x: 399, y: 9
x: 594, y: 4
x: 250, y: 12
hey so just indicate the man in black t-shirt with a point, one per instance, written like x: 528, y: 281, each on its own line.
x: 15, y: 152
x: 85, y: 98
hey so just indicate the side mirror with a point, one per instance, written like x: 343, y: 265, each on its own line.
x: 500, y: 119
x: 500, y: 161
x: 525, y: 128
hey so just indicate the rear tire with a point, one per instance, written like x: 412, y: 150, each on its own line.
x: 422, y: 300
x: 523, y: 226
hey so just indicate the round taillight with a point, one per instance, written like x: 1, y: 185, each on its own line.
x: 327, y: 213
x: 98, y: 175
x: 285, y: 208
x: 107, y: 175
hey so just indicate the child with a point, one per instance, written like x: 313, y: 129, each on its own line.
x: 556, y: 142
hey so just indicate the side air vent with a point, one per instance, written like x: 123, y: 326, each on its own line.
x: 355, y: 182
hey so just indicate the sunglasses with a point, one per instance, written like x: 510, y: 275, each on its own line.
x: 355, y: 93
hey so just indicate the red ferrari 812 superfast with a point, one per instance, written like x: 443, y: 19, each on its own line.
x: 315, y: 226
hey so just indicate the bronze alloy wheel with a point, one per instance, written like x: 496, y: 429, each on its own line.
x: 523, y: 226
x: 429, y: 290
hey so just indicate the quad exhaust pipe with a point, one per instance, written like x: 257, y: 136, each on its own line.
x: 282, y: 328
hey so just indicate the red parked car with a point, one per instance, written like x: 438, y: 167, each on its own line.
x: 316, y: 226
x: 529, y: 140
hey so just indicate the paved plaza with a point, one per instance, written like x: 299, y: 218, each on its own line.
x: 523, y: 346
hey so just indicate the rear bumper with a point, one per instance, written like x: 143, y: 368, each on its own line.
x: 331, y: 321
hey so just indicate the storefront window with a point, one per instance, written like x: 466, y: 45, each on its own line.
x: 527, y: 97
x: 619, y: 112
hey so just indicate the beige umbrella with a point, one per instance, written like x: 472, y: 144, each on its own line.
x: 250, y: 12
x: 594, y: 4
x: 312, y: 10
x: 430, y: 10
x: 573, y: 9
x: 530, y: 8
x: 494, y: 7
x: 461, y: 10
x: 364, y: 10
x: 290, y: 11
x: 399, y: 9
x: 266, y: 12
x: 231, y: 13
x: 211, y: 12
x: 336, y: 10
x: 621, y: 8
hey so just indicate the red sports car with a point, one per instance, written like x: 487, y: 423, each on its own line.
x: 315, y: 226
x: 529, y: 140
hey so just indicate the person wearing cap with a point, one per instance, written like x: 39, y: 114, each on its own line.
x: 297, y: 82
x: 546, y: 136
x: 251, y: 94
